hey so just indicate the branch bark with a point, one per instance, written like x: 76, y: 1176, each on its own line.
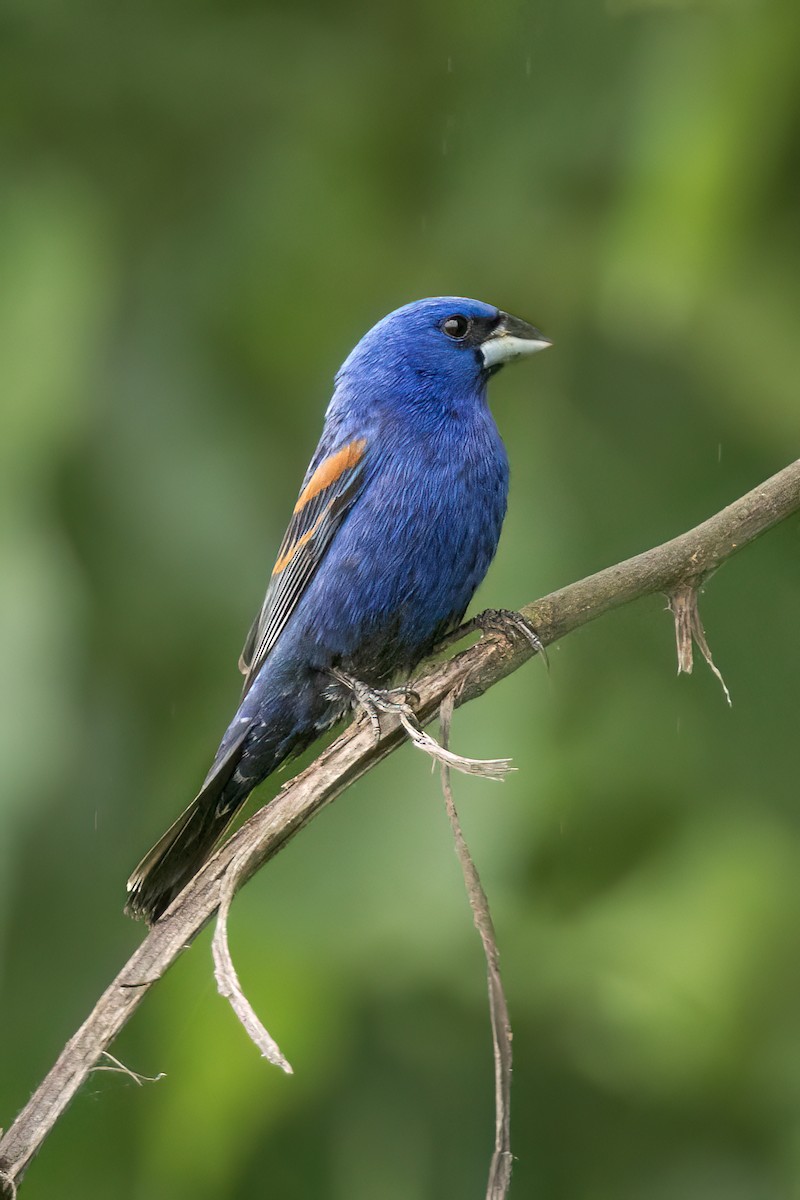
x: 686, y: 561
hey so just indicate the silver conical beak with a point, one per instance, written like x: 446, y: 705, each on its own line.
x: 511, y: 339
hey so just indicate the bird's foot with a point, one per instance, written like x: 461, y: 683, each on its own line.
x: 503, y: 621
x: 398, y: 702
x: 374, y: 701
x: 510, y: 624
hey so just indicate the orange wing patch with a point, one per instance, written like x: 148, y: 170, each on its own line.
x: 326, y: 473
x: 290, y: 552
x: 327, y: 495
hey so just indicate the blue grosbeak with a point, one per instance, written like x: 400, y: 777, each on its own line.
x: 396, y: 523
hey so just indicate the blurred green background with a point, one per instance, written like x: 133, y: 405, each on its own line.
x: 204, y: 205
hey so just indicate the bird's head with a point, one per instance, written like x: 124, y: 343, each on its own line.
x: 445, y: 347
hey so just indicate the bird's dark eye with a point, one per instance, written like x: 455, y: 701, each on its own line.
x: 456, y: 327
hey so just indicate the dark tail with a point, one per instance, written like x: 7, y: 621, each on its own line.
x: 180, y: 853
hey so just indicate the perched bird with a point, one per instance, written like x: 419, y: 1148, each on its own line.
x: 397, y: 520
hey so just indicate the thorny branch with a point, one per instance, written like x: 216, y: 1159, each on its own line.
x: 683, y: 562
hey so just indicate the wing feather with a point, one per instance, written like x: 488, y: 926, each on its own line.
x: 328, y: 492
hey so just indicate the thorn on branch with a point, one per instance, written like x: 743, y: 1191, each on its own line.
x: 225, y: 973
x: 689, y: 631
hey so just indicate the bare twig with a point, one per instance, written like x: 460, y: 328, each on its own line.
x: 688, y: 630
x: 372, y: 703
x: 225, y: 973
x: 501, y: 1164
x: 118, y: 1068
x: 687, y: 559
x: 495, y: 769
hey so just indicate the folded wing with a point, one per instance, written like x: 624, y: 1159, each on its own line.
x: 328, y: 492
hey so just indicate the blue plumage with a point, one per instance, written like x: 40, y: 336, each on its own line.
x: 395, y: 526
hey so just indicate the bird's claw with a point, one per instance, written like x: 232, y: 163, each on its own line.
x: 503, y: 621
x: 508, y: 623
x: 374, y: 701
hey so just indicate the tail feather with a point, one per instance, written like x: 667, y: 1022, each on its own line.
x: 180, y: 853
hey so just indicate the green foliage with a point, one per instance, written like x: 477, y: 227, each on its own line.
x: 204, y: 206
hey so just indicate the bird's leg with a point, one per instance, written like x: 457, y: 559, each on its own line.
x: 374, y: 701
x: 508, y: 622
x: 496, y: 620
